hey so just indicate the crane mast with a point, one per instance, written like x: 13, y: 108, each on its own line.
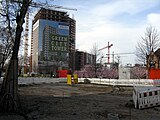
x: 26, y: 38
x: 46, y: 5
x: 108, y: 46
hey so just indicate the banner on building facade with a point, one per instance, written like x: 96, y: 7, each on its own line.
x: 58, y: 43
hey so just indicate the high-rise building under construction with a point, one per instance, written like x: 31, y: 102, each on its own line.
x: 52, y: 41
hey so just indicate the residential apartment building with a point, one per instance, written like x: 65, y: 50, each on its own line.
x: 82, y: 59
x: 153, y: 59
x: 52, y: 42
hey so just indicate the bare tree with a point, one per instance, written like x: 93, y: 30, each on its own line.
x: 21, y: 64
x: 150, y: 41
x: 97, y: 55
x: 138, y: 73
x: 6, y: 44
x: 13, y: 13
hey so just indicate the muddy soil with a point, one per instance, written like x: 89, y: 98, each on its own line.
x: 59, y: 101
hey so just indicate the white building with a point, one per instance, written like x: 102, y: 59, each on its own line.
x: 124, y: 72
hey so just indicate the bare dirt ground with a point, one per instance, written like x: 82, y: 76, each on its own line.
x: 59, y: 101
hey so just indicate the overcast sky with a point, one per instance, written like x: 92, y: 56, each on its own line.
x: 121, y: 22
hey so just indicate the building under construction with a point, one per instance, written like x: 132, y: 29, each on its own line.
x: 82, y: 59
x: 52, y: 41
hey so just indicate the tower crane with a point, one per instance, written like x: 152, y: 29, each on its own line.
x: 119, y: 55
x: 26, y: 38
x: 46, y: 5
x: 108, y: 46
x: 26, y: 32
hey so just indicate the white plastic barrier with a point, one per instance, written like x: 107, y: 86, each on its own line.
x: 145, y: 97
x: 40, y: 80
x: 120, y: 82
x: 123, y: 82
x: 1, y: 79
x: 36, y: 80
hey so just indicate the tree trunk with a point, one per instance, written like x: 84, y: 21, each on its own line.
x: 9, y: 90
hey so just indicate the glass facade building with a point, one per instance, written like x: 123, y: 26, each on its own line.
x: 51, y: 39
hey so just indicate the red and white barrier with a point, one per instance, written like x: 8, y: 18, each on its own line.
x: 145, y: 97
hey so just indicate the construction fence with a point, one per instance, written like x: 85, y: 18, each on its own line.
x: 119, y: 82
x: 123, y: 82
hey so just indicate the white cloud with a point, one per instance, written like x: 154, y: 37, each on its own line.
x: 154, y: 19
x: 95, y: 26
x: 126, y: 6
x: 117, y: 34
x: 122, y: 37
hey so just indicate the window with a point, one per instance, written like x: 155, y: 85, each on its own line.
x: 156, y: 93
x: 150, y: 93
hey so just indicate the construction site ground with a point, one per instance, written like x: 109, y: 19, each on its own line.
x: 59, y: 101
